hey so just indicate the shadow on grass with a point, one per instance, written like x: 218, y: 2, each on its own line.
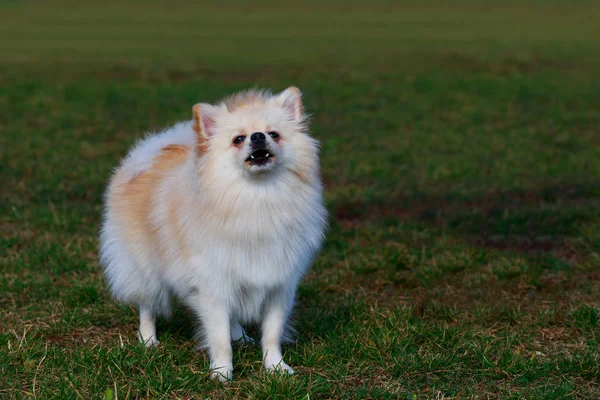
x: 529, y: 222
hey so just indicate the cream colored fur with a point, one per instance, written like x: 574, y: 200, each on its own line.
x: 187, y: 215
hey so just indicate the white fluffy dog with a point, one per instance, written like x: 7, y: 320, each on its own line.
x: 225, y: 212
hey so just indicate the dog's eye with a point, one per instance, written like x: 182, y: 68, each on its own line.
x: 274, y: 135
x: 239, y: 139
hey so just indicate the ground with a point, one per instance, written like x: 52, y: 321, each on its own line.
x: 461, y: 158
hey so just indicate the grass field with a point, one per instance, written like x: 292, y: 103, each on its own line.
x: 461, y: 157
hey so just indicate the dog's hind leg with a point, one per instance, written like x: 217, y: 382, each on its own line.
x: 238, y: 334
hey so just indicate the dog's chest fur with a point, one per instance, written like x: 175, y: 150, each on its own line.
x: 264, y: 243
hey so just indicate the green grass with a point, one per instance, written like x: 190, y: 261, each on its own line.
x: 461, y: 156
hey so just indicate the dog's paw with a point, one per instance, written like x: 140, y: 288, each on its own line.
x: 148, y: 342
x: 222, y: 374
x: 280, y: 367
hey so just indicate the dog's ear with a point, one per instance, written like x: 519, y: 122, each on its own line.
x: 291, y: 100
x: 204, y: 119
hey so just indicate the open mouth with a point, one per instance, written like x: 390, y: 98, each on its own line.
x: 260, y: 157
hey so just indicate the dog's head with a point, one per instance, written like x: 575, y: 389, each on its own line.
x: 257, y: 134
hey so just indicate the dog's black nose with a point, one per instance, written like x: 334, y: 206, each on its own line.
x: 258, y: 138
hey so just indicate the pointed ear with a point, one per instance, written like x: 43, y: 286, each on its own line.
x: 291, y: 100
x: 204, y: 119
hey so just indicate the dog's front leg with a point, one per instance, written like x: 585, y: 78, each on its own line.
x: 276, y: 314
x: 215, y: 320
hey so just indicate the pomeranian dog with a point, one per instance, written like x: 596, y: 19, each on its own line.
x: 225, y: 212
